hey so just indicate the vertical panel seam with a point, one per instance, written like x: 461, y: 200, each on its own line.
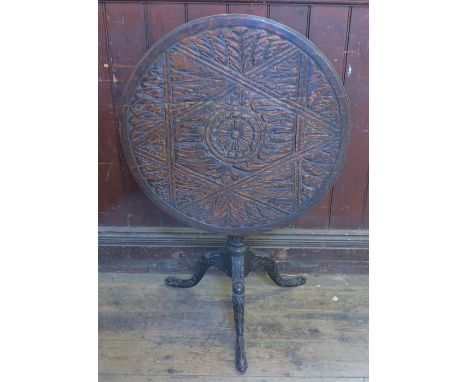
x: 330, y: 203
x: 345, y: 58
x: 366, y: 197
x: 114, y: 112
x: 309, y: 10
x: 145, y: 15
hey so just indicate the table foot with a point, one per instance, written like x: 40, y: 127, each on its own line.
x: 271, y: 268
x: 215, y: 258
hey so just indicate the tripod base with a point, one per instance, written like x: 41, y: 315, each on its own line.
x: 237, y: 260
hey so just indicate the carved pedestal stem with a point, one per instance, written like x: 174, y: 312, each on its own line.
x: 237, y: 248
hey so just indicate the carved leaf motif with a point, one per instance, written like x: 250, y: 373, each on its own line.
x: 316, y: 166
x: 190, y: 80
x: 320, y: 97
x: 232, y: 210
x: 281, y: 76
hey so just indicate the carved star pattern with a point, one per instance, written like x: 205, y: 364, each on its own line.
x: 285, y: 101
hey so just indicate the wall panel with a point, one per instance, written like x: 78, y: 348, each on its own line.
x: 111, y: 199
x: 126, y: 28
x: 162, y: 18
x: 328, y: 30
x: 195, y: 11
x: 365, y: 212
x: 108, y: 149
x: 249, y: 9
x: 111, y: 202
x: 293, y: 16
x: 349, y: 190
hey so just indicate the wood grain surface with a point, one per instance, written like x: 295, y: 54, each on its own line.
x: 316, y: 332
x: 111, y: 197
x: 249, y: 9
x: 350, y: 189
x: 126, y: 31
x: 195, y: 11
x: 293, y: 16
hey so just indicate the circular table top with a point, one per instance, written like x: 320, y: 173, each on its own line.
x: 234, y: 124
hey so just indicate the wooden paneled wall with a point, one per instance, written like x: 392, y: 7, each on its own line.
x: 128, y: 28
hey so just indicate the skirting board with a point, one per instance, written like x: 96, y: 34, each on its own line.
x: 164, y: 249
x: 189, y: 237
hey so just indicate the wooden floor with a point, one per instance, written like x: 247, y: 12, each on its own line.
x: 149, y: 332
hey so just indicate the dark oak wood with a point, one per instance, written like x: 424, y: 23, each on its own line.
x: 161, y: 18
x: 234, y: 124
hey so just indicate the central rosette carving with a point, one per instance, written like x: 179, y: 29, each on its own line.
x: 234, y: 133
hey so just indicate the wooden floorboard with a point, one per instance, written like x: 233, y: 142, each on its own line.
x: 150, y: 332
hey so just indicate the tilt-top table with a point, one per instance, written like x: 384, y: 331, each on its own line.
x: 234, y: 124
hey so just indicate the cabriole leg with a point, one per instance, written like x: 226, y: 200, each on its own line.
x: 215, y: 259
x: 272, y: 269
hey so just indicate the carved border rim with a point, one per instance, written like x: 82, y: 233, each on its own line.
x: 223, y: 20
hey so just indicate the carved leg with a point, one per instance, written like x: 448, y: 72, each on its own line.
x: 215, y: 259
x: 272, y: 269
x: 238, y: 300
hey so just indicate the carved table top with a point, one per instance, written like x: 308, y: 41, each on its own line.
x: 234, y: 124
